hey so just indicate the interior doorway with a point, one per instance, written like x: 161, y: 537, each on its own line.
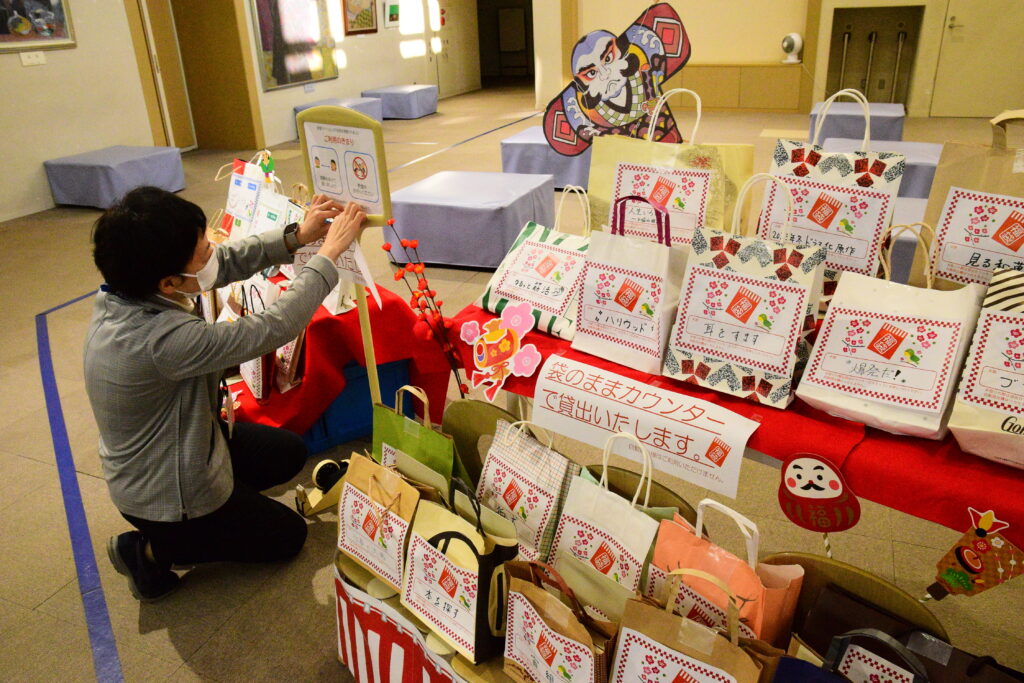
x: 506, y: 42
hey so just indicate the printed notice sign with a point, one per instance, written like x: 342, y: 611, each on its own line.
x: 977, y: 233
x: 688, y: 438
x: 344, y: 164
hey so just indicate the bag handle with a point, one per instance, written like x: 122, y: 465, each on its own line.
x: 544, y: 574
x: 213, y: 223
x: 521, y: 426
x: 462, y: 486
x: 662, y: 101
x: 378, y: 500
x: 645, y: 473
x: 753, y: 180
x: 751, y: 535
x: 732, y: 613
x: 300, y: 194
x: 418, y: 393
x: 886, y: 255
x: 856, y: 96
x: 581, y: 195
x: 999, y: 126
x: 837, y: 648
x: 446, y: 537
x: 660, y: 218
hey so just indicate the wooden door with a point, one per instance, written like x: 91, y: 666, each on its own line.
x: 169, y: 77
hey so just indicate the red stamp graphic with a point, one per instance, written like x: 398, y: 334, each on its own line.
x: 887, y: 340
x: 512, y: 495
x: 662, y: 191
x: 604, y: 559
x: 370, y: 525
x: 718, y: 451
x: 546, y: 649
x: 546, y: 265
x: 743, y: 304
x: 628, y: 294
x: 683, y: 677
x: 824, y: 210
x: 448, y: 583
x: 1011, y: 232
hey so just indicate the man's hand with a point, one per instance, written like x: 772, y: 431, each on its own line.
x: 346, y: 227
x: 314, y: 225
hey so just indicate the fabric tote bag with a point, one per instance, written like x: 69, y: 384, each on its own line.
x: 603, y: 530
x: 889, y: 354
x: 258, y: 373
x: 630, y: 292
x: 548, y: 635
x: 657, y: 646
x: 769, y: 592
x: 744, y: 312
x: 977, y: 207
x: 543, y: 268
x: 842, y: 201
x: 526, y: 482
x: 988, y: 415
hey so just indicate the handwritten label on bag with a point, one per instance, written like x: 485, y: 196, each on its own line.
x: 544, y: 654
x: 861, y: 666
x: 977, y: 233
x: 371, y: 534
x: 847, y: 220
x: 619, y: 305
x: 443, y: 594
x: 684, y: 435
x: 510, y: 492
x: 994, y: 377
x: 689, y: 603
x: 640, y: 659
x: 591, y: 545
x: 739, y: 318
x: 683, y: 193
x: 544, y: 275
x: 895, y: 359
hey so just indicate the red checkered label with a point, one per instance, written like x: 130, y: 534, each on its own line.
x: 546, y: 649
x: 546, y: 265
x: 887, y: 340
x: 512, y: 495
x: 1011, y: 233
x: 743, y: 304
x: 603, y: 559
x: 370, y: 525
x: 662, y: 191
x: 628, y: 294
x: 448, y: 583
x: 718, y: 451
x: 824, y: 210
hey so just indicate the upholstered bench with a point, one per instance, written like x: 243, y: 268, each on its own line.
x: 529, y: 152
x: 470, y: 219
x: 846, y: 120
x: 922, y: 158
x: 406, y: 101
x: 102, y: 177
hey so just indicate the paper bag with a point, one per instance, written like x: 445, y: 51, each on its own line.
x: 259, y: 293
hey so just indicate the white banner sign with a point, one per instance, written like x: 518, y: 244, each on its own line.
x: 688, y: 438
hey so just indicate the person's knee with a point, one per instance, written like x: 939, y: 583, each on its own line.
x: 294, y: 453
x: 291, y: 537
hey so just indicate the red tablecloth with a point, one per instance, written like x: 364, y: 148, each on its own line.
x: 933, y: 480
x: 332, y: 342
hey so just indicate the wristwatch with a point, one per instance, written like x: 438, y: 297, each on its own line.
x: 291, y: 237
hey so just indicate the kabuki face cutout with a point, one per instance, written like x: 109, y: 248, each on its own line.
x: 809, y: 477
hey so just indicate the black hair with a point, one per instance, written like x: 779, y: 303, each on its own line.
x: 146, y: 236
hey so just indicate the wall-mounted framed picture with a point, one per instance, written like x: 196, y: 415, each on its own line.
x: 35, y: 25
x: 390, y: 12
x: 360, y: 16
x: 293, y: 42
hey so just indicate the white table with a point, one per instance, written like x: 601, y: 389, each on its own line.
x: 922, y: 159
x: 846, y: 120
x: 528, y: 151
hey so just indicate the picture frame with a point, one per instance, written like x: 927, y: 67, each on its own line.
x: 390, y: 13
x: 360, y: 16
x: 29, y: 26
x: 294, y: 45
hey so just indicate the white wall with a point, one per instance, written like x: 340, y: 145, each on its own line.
x: 84, y: 98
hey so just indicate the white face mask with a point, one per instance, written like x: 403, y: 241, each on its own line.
x: 206, y: 276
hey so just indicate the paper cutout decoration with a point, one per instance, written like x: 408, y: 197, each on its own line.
x: 498, y: 351
x: 982, y: 559
x: 616, y: 82
x: 814, y: 495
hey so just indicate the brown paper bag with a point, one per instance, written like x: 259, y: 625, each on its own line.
x: 977, y: 207
x: 374, y: 515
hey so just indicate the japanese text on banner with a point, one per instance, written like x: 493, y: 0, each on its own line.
x: 688, y: 438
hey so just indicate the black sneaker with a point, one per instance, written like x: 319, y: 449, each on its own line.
x: 147, y: 581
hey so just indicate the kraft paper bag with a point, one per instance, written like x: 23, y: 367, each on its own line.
x: 258, y: 294
x: 889, y: 355
x: 657, y: 645
x: 543, y: 268
x: 976, y: 205
x: 988, y: 415
x: 374, y: 515
x: 745, y: 310
x: 695, y: 183
x: 843, y: 201
x: 552, y: 638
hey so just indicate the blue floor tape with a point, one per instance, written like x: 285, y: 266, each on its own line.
x: 106, y: 662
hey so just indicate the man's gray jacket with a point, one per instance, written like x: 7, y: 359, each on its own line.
x: 152, y: 371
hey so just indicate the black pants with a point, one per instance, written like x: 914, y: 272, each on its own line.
x: 249, y: 527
